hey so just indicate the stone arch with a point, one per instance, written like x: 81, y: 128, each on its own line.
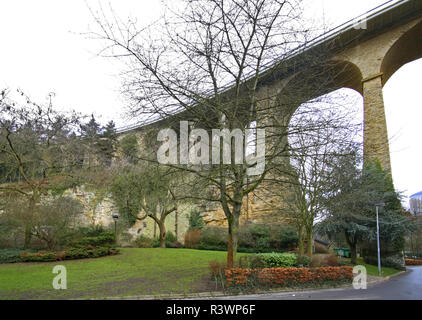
x: 324, y: 79
x: 406, y: 49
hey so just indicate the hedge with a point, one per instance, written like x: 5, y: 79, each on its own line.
x: 413, y: 262
x: 12, y: 255
x: 68, y: 254
x: 105, y: 239
x: 276, y: 260
x: 286, y: 276
x: 252, y: 238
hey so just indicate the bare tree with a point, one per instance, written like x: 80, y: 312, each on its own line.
x: 311, y: 159
x: 209, y: 62
x: 36, y: 152
x: 147, y: 191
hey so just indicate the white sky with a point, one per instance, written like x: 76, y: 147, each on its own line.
x: 42, y: 51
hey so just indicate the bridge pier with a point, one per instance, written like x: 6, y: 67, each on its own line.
x: 376, y: 146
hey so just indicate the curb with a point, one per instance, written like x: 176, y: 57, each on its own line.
x: 218, y: 294
x: 398, y: 274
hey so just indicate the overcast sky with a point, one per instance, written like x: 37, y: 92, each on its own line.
x: 43, y: 51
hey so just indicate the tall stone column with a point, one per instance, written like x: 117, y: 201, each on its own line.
x: 376, y: 145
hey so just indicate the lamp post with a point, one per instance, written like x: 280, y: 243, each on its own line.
x: 378, y: 205
x: 115, y: 217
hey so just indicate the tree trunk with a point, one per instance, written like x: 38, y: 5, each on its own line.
x: 176, y: 224
x: 155, y: 230
x: 28, y: 236
x: 162, y: 234
x: 233, y: 239
x: 28, y: 223
x: 300, y: 243
x: 353, y: 253
x: 353, y: 248
x: 309, y: 242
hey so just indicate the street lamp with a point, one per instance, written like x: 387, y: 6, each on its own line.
x: 115, y: 217
x: 378, y: 205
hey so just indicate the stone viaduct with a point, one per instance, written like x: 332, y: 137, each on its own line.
x: 364, y: 54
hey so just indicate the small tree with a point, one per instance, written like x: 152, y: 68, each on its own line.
x: 148, y: 191
x: 56, y: 220
x: 312, y: 155
x: 107, y: 143
x: 130, y: 148
x: 196, y: 222
x: 350, y: 207
x: 37, y: 155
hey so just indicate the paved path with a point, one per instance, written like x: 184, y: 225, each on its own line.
x: 407, y: 286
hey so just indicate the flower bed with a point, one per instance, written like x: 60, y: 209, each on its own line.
x: 413, y: 262
x: 286, y: 276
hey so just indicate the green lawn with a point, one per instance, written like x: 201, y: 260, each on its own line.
x: 373, y: 270
x: 133, y: 272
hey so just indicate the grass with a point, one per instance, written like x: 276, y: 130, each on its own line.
x: 373, y: 270
x: 142, y: 271
x: 133, y: 272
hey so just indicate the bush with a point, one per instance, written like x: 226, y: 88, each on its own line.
x: 214, y: 236
x: 253, y: 262
x: 196, y: 222
x: 217, y: 269
x: 320, y: 248
x: 106, y: 238
x: 170, y: 240
x: 288, y: 238
x: 207, y: 247
x: 170, y: 237
x: 192, y: 238
x: 343, y: 261
x: 143, y: 242
x: 40, y: 256
x: 389, y: 262
x: 324, y: 260
x: 68, y: 254
x: 287, y: 276
x: 253, y: 238
x: 303, y: 261
x: 262, y: 244
x: 91, y: 231
x: 12, y: 255
x: 175, y: 245
x: 274, y: 260
x: 413, y: 262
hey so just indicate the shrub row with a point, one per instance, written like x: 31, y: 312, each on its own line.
x: 252, y: 238
x: 86, y: 247
x: 275, y: 260
x: 146, y: 242
x: 286, y: 260
x: 413, y: 262
x: 203, y: 246
x: 12, y: 255
x: 389, y: 262
x: 286, y: 276
x: 105, y: 239
x: 68, y: 254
